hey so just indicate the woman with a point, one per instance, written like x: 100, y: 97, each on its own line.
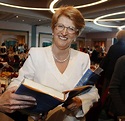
x: 61, y: 67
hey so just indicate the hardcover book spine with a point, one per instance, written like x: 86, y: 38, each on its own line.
x: 85, y: 78
x: 89, y: 78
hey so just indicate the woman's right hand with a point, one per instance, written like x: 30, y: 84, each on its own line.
x: 0, y: 89
x: 10, y: 102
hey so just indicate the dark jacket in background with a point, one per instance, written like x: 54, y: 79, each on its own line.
x: 117, y: 88
x: 115, y: 51
x: 94, y: 57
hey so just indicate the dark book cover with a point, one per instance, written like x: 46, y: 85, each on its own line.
x: 44, y: 101
x: 89, y: 78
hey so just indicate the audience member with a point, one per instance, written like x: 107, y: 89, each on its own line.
x: 3, y: 50
x: 95, y: 55
x: 15, y: 48
x: 21, y: 48
x: 15, y: 63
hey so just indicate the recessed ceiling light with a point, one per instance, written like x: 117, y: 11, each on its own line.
x: 109, y: 15
x: 121, y: 27
x: 81, y: 6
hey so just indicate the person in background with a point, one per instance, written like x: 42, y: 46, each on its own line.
x: 15, y: 63
x: 117, y: 89
x: 108, y: 63
x: 95, y: 55
x: 11, y: 102
x: 3, y: 50
x: 15, y: 48
x: 60, y: 67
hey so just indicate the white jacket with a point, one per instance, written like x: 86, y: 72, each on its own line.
x: 40, y: 67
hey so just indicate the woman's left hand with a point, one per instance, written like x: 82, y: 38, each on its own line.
x: 76, y: 103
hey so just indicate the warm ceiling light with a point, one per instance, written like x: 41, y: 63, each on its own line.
x: 121, y: 27
x: 107, y: 20
x: 91, y: 4
x: 81, y: 6
x: 108, y: 15
x: 117, y: 19
x: 52, y: 4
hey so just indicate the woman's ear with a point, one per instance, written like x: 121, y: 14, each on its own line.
x: 80, y: 32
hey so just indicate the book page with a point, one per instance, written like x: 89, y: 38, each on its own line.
x: 44, y: 89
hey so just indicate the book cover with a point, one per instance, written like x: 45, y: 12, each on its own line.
x: 44, y: 101
x: 47, y: 98
x: 89, y: 78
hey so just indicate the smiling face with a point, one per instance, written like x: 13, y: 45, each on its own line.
x: 63, y: 33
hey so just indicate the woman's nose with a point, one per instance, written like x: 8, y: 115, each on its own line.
x: 64, y: 31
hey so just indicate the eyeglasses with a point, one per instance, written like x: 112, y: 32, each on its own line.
x: 61, y: 27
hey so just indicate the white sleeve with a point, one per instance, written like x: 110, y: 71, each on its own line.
x: 27, y: 70
x: 87, y: 101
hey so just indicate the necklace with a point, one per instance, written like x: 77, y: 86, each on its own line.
x: 61, y: 61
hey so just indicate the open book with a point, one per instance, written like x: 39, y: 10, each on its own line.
x: 48, y: 98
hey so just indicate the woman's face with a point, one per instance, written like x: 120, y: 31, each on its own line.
x: 64, y: 33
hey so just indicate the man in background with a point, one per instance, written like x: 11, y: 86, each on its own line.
x: 108, y: 63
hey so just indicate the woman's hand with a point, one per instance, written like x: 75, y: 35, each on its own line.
x: 76, y: 103
x: 10, y: 102
x: 0, y: 89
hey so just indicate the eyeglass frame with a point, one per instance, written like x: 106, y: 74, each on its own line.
x: 69, y: 29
